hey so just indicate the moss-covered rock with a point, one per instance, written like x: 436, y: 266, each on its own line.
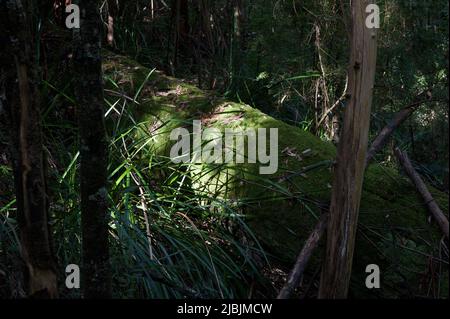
x: 282, y: 208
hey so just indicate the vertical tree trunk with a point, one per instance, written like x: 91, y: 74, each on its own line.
x: 207, y: 30
x: 93, y: 154
x: 236, y: 46
x: 113, y: 8
x: 59, y: 9
x: 22, y: 102
x: 351, y: 158
x: 180, y: 20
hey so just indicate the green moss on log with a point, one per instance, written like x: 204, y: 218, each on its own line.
x: 394, y: 231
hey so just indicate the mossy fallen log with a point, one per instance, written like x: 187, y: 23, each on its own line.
x: 282, y: 209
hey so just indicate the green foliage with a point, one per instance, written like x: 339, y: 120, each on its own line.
x: 209, y: 231
x: 283, y: 208
x: 280, y: 42
x: 166, y: 241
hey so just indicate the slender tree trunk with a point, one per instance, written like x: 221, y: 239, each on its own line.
x: 29, y: 164
x: 59, y: 9
x: 93, y: 154
x: 236, y: 45
x: 207, y: 30
x: 113, y: 8
x: 323, y: 86
x: 351, y: 159
x: 180, y: 20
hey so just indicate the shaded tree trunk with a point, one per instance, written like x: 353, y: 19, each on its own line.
x: 208, y: 38
x: 93, y: 154
x: 351, y: 159
x: 180, y: 41
x: 236, y: 45
x: 29, y: 164
x: 113, y: 9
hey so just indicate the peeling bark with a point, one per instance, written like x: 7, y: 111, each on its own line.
x: 23, y: 104
x: 351, y: 159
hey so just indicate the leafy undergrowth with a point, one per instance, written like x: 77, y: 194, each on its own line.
x: 194, y: 230
x: 281, y: 209
x: 166, y: 241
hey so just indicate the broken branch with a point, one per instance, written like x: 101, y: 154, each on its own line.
x: 303, y: 258
x: 423, y: 190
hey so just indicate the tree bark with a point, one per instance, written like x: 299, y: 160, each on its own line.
x: 351, y: 159
x: 29, y: 163
x: 93, y: 154
x: 423, y: 191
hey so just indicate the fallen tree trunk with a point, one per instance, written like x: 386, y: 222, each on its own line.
x: 283, y: 219
x: 423, y: 190
x: 303, y: 258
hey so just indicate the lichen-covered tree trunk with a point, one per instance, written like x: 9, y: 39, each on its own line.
x: 96, y: 273
x: 351, y: 159
x: 23, y: 104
